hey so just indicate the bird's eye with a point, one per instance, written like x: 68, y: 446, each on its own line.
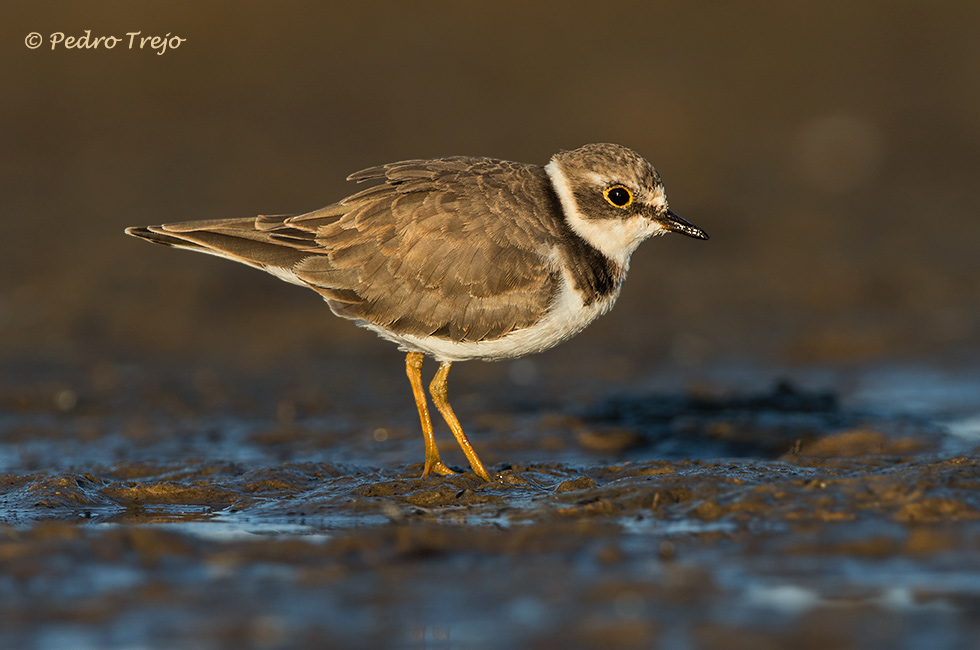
x: 618, y: 196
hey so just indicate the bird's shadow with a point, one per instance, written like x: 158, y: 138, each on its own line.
x: 773, y: 424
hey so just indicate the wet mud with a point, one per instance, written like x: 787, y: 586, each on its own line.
x: 751, y: 519
x: 770, y: 442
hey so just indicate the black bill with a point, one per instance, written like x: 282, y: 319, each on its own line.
x: 673, y: 223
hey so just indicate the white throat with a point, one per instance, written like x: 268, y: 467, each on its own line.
x: 614, y: 238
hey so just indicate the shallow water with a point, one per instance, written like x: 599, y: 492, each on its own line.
x: 771, y: 441
x: 812, y: 516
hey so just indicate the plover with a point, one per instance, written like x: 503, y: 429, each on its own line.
x: 460, y: 258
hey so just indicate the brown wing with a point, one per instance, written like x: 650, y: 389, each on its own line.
x: 434, y: 249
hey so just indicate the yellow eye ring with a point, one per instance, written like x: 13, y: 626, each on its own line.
x: 618, y: 196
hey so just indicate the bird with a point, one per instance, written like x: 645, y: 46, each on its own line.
x: 460, y: 258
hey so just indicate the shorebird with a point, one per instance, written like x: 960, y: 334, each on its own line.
x: 460, y: 258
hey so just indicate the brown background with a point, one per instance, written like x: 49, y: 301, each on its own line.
x: 258, y: 460
x: 831, y: 151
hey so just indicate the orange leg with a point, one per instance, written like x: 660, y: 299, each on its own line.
x: 413, y: 367
x: 440, y: 397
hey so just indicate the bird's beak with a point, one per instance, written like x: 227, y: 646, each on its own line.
x: 673, y: 223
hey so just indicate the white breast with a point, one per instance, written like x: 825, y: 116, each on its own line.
x: 566, y: 317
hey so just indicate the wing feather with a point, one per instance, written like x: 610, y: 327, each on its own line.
x: 433, y: 249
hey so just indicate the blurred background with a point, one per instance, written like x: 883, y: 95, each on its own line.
x: 831, y: 150
x: 253, y: 454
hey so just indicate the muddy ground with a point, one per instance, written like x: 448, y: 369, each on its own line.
x: 726, y: 519
x: 770, y: 442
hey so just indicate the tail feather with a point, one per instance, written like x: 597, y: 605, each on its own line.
x: 236, y: 240
x: 159, y: 237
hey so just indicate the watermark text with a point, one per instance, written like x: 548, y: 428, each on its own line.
x: 85, y: 41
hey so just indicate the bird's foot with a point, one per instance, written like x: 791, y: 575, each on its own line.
x: 436, y: 466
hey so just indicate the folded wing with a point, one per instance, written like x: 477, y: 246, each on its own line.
x: 433, y: 249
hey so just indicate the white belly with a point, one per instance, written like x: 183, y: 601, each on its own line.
x: 566, y: 317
